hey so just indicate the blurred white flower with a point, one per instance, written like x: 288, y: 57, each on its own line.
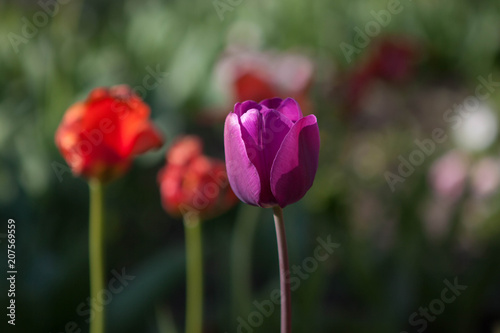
x: 478, y: 130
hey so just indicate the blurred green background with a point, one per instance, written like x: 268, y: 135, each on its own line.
x: 396, y: 246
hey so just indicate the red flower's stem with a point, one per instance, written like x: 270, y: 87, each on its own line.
x: 96, y: 252
x: 194, y: 274
x: 286, y: 297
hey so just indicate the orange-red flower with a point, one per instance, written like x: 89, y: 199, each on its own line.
x: 98, y: 137
x: 191, y: 182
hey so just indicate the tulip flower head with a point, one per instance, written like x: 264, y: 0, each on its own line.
x: 99, y: 136
x: 271, y: 151
x: 192, y: 182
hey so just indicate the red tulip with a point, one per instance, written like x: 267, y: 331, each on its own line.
x: 191, y: 182
x: 392, y: 58
x: 99, y: 136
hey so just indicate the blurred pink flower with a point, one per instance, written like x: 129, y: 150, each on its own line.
x: 448, y: 175
x: 451, y: 173
x: 485, y: 177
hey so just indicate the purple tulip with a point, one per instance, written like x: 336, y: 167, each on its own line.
x: 271, y: 151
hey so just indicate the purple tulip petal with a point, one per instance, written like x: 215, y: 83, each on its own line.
x: 251, y: 124
x: 242, y: 173
x: 241, y: 108
x: 291, y: 109
x: 237, y: 108
x: 296, y: 162
x: 251, y: 121
x: 263, y: 131
x: 275, y: 127
x: 272, y: 103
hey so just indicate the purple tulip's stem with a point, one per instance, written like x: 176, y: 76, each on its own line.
x: 286, y: 295
x: 96, y: 252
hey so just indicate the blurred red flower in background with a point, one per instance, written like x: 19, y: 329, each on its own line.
x: 251, y: 86
x: 191, y: 182
x: 392, y: 58
x: 99, y: 136
x: 250, y: 75
x: 259, y: 76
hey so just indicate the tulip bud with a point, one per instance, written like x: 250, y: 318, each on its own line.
x: 193, y: 183
x: 271, y: 151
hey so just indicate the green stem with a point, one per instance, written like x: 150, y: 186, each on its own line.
x: 164, y: 321
x: 194, y: 274
x: 241, y: 259
x: 96, y: 252
x: 286, y: 297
